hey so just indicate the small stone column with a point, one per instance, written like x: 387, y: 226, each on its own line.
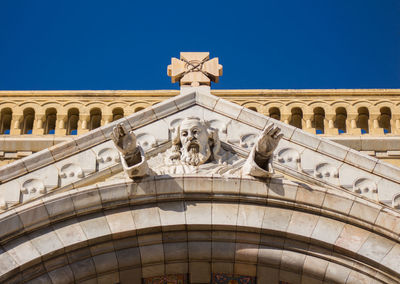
x: 83, y: 123
x: 16, y: 120
x: 351, y: 124
x: 37, y: 128
x: 307, y: 125
x: 329, y: 124
x: 106, y: 119
x: 373, y: 124
x: 60, y: 124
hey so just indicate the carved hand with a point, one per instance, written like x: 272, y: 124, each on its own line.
x: 268, y: 141
x: 124, y: 141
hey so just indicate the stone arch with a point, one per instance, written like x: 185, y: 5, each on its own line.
x: 276, y: 231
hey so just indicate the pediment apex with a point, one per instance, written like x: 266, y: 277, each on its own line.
x: 303, y: 155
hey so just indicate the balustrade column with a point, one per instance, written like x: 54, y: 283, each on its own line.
x: 351, y: 124
x: 84, y: 120
x: 373, y: 124
x: 106, y: 119
x: 307, y: 125
x: 15, y: 128
x: 60, y: 124
x: 329, y: 124
x: 37, y: 128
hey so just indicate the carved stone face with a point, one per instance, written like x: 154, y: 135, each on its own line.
x: 193, y: 135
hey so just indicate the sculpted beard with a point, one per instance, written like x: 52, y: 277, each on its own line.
x: 194, y: 154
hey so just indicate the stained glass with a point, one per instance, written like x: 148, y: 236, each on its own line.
x: 221, y: 278
x: 166, y: 279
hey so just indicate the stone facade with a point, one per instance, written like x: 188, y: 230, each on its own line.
x: 368, y: 120
x: 70, y: 214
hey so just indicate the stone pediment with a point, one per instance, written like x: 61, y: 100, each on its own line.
x: 300, y: 156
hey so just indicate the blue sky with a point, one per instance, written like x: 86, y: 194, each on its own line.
x: 279, y: 44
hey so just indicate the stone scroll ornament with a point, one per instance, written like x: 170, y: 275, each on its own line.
x: 196, y: 148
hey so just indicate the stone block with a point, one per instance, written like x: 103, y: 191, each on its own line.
x: 376, y: 247
x: 89, y: 139
x: 267, y: 274
x: 253, y: 118
x: 290, y: 277
x: 141, y: 118
x: 224, y: 214
x: 185, y: 100
x: 199, y: 251
x: 302, y: 225
x: 327, y: 231
x: 222, y: 267
x: 7, y: 263
x: 253, y: 187
x: 146, y: 218
x: 146, y: 187
x: 351, y: 239
x: 365, y: 211
x: 276, y: 220
x: 286, y: 129
x: 86, y: 200
x: 83, y: 269
x: 356, y: 277
x: 130, y: 276
x: 105, y: 262
x: 197, y: 184
x: 221, y: 185
x: 269, y: 256
x: 56, y: 262
x: 387, y: 170
x: 341, y: 204
x: 306, y: 139
x: 176, y: 268
x: 10, y: 223
x: 246, y: 253
x: 206, y: 100
x: 223, y: 251
x: 198, y: 214
x: 120, y: 222
x: 71, y: 234
x: 152, y: 254
x: 38, y: 159
x: 46, y: 241
x: 113, y: 194
x: 62, y: 275
x: 23, y: 252
x: 165, y: 108
x: 310, y: 196
x: 64, y: 149
x: 280, y: 189
x: 108, y: 278
x: 172, y: 215
x: 176, y: 251
x: 391, y: 259
x: 360, y: 160
x: 200, y: 272
x: 59, y: 206
x: 33, y: 215
x: 95, y: 227
x: 166, y: 185
x: 128, y: 257
x: 150, y: 239
x: 153, y: 270
x: 333, y: 149
x: 245, y: 269
x: 250, y: 217
x: 12, y: 170
x: 336, y: 273
x: 228, y: 108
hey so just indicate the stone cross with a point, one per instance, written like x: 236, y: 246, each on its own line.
x: 194, y: 69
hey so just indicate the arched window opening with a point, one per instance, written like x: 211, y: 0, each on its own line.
x: 275, y: 113
x: 27, y: 122
x: 72, y: 123
x: 118, y: 113
x: 362, y: 120
x: 296, y: 117
x: 384, y: 119
x: 318, y: 122
x: 340, y: 121
x: 253, y: 108
x: 50, y: 123
x: 95, y: 118
x: 5, y: 121
x: 138, y: 109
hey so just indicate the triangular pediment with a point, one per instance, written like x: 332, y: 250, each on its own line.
x: 301, y: 156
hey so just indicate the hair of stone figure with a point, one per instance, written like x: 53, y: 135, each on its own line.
x: 213, y: 140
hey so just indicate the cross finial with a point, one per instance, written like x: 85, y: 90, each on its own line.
x: 194, y: 69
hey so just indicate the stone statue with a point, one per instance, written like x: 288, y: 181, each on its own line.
x: 196, y: 148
